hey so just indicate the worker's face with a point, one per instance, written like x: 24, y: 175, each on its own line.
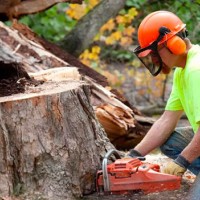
x: 168, y: 59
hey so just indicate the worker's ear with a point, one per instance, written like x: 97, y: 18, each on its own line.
x: 176, y: 45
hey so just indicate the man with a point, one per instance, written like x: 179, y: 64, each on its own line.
x: 163, y: 41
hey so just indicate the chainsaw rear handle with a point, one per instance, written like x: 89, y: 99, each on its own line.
x: 141, y: 158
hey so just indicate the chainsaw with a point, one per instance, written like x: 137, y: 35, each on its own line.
x: 126, y: 175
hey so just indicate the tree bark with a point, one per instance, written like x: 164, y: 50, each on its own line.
x: 86, y: 29
x: 50, y: 140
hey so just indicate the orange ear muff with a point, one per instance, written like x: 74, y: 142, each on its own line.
x: 176, y: 45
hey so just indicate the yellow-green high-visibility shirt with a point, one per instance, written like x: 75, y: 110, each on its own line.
x: 185, y: 94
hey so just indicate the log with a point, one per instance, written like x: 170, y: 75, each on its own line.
x: 14, y: 47
x: 51, y: 143
x: 10, y: 9
x: 68, y: 59
x: 20, y: 44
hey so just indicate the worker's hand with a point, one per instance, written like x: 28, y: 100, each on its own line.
x: 174, y: 169
x: 135, y: 154
x: 177, y: 166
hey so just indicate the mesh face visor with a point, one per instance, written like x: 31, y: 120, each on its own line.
x: 150, y: 57
x: 152, y: 61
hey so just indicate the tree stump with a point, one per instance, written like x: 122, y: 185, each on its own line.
x: 49, y: 140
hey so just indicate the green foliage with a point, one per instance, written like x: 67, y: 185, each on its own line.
x: 189, y: 13
x: 187, y: 10
x: 135, y: 3
x: 110, y: 54
x: 53, y: 24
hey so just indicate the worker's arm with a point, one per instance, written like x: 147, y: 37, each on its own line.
x: 192, y: 151
x: 159, y: 132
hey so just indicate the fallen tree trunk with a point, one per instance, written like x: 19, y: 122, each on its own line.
x: 100, y: 97
x: 29, y: 50
x: 57, y: 52
x: 16, y: 8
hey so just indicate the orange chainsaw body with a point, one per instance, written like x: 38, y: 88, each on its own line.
x: 131, y: 174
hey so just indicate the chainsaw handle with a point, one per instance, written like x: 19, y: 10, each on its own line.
x: 111, y: 152
x: 104, y: 167
x: 142, y: 158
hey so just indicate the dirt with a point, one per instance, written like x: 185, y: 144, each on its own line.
x: 14, y: 79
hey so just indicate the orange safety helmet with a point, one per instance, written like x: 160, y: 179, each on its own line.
x: 148, y: 30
